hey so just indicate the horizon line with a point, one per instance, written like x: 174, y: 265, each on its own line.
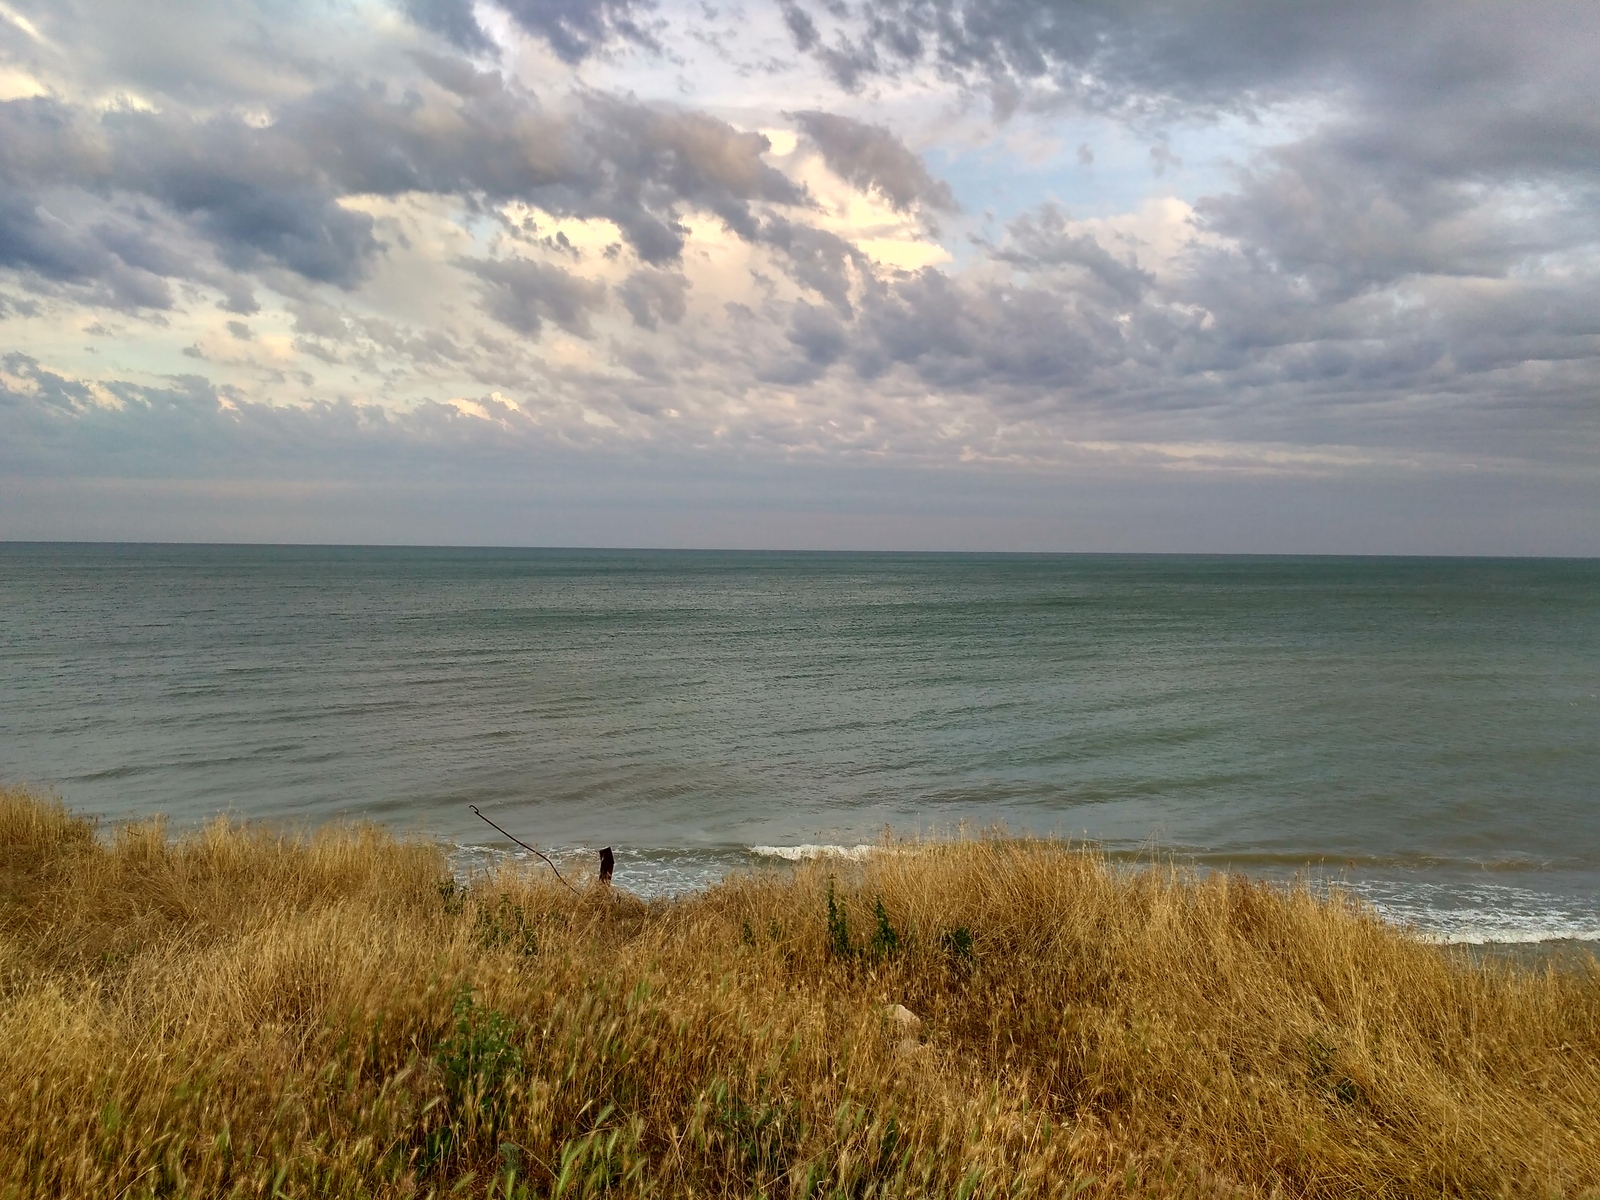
x: 8, y: 543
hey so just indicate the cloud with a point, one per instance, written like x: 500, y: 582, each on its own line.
x: 253, y: 193
x: 801, y: 27
x: 641, y: 161
x: 273, y: 193
x: 874, y: 159
x: 1162, y: 158
x: 977, y: 335
x: 523, y: 295
x: 110, y: 53
x: 816, y: 259
x: 111, y: 263
x: 255, y: 197
x: 1399, y: 264
x: 1442, y: 187
x: 820, y: 337
x: 654, y: 296
x: 453, y: 20
x: 1505, y: 88
x: 575, y: 29
x: 1144, y: 53
x: 1044, y: 239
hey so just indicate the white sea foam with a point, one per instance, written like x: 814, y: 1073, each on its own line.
x: 808, y: 851
x: 1468, y: 935
x: 649, y: 873
x: 1475, y: 927
x: 1460, y: 912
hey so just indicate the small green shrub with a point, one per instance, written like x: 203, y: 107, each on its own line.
x: 479, y: 1060
x: 453, y: 895
x: 838, y: 931
x: 886, y: 940
x: 763, y: 1133
x: 605, y: 1159
x: 957, y: 945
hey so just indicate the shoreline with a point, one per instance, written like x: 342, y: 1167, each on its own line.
x: 242, y: 1010
x: 661, y: 872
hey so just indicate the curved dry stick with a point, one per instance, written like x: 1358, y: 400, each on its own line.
x: 525, y: 846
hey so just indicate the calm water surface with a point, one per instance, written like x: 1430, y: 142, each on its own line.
x: 1427, y: 731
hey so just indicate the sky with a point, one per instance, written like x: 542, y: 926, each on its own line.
x: 1097, y: 275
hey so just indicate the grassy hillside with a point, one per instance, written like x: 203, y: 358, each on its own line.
x: 240, y: 1012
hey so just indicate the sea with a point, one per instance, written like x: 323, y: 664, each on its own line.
x: 1423, y: 732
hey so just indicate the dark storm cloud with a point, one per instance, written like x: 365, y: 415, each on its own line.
x: 874, y: 159
x: 523, y: 295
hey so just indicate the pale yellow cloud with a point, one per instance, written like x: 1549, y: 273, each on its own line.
x: 17, y: 84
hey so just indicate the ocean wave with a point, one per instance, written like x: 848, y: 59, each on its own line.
x: 1458, y: 913
x: 809, y: 851
x: 1492, y: 936
x: 649, y: 873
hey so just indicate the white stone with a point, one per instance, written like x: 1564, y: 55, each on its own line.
x: 902, y: 1016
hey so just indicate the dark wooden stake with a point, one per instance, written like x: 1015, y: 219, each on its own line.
x: 607, y: 861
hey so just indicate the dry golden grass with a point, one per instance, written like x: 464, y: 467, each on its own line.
x: 240, y: 1012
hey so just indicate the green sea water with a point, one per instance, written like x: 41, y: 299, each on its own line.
x: 1425, y: 731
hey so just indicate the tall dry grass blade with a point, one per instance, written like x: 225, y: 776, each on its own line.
x: 241, y: 1011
